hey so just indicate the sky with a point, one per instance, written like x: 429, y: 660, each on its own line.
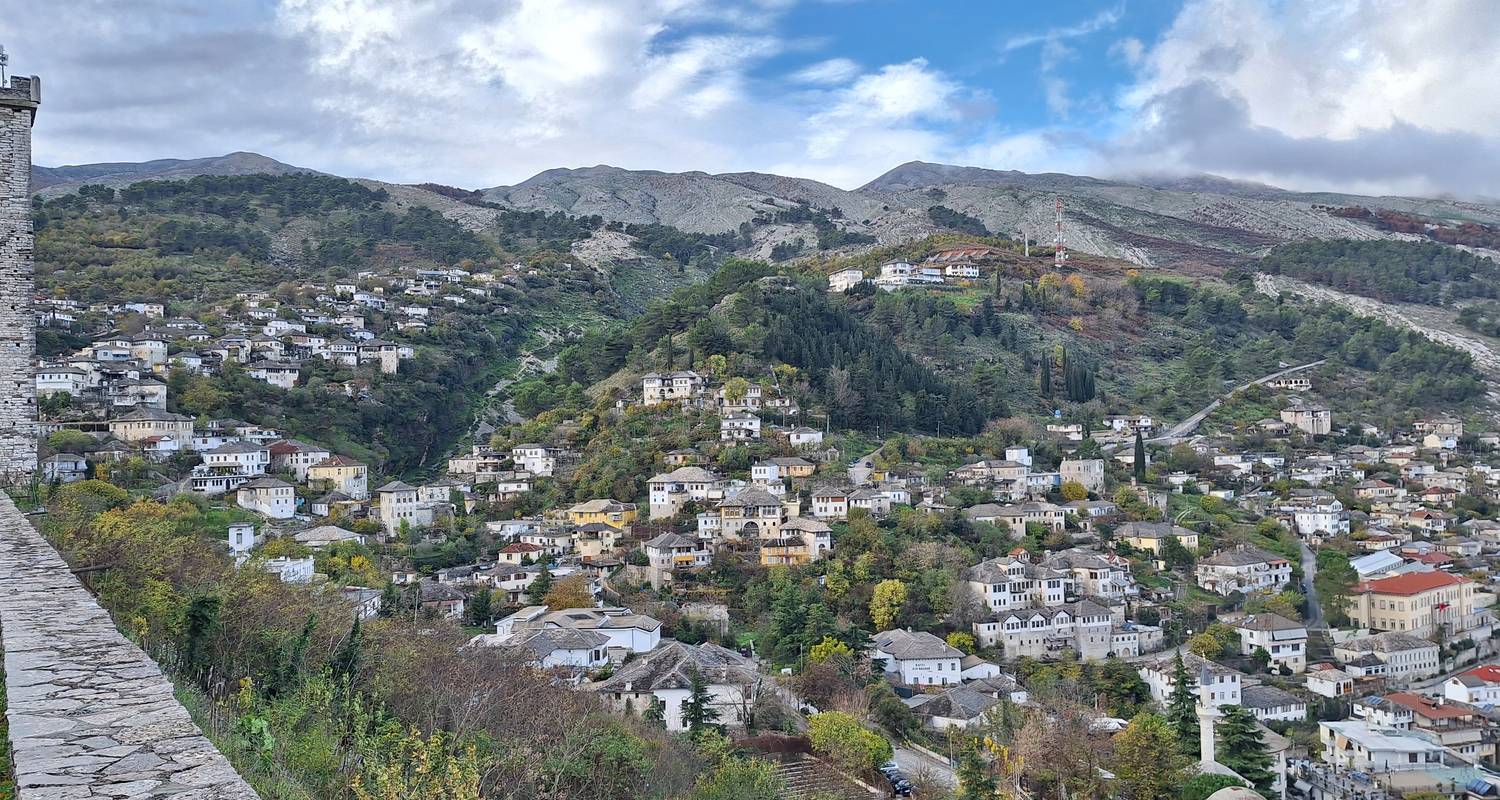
x: 1369, y: 96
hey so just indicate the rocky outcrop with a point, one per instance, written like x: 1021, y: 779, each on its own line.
x: 91, y: 716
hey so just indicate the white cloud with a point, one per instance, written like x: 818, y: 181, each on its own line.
x: 1325, y: 94
x: 829, y: 72
x: 1104, y: 19
x: 1130, y: 50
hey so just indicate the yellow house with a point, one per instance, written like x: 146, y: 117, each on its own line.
x: 604, y: 512
x: 1151, y: 536
x: 144, y: 423
x: 595, y: 540
x: 341, y: 474
x: 799, y: 541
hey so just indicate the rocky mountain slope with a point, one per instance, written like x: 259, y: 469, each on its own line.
x: 49, y: 181
x: 1189, y: 223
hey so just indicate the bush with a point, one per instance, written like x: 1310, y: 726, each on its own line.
x: 846, y: 742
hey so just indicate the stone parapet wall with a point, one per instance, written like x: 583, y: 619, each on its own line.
x: 91, y: 716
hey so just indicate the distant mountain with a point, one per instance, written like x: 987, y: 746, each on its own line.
x: 1182, y: 221
x: 125, y: 173
x: 693, y: 201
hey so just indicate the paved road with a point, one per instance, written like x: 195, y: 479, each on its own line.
x: 916, y: 763
x: 1309, y: 572
x: 1191, y: 424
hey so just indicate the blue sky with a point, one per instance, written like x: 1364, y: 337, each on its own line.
x: 1354, y: 95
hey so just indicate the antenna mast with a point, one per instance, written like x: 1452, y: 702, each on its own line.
x: 1059, y: 243
x: 4, y: 61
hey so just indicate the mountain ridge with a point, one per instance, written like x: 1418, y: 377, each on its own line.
x: 1182, y: 220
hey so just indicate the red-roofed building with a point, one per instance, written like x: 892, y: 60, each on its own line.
x: 1415, y: 603
x: 1479, y: 686
x: 516, y: 552
x: 1457, y: 725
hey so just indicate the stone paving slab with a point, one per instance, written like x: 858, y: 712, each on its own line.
x: 91, y: 715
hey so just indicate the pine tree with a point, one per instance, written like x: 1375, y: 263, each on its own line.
x: 1242, y: 749
x: 1138, y: 467
x: 1182, y: 709
x: 481, y: 608
x: 698, y: 713
x: 288, y: 670
x: 541, y: 584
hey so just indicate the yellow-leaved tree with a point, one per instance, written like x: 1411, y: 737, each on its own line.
x: 886, y: 603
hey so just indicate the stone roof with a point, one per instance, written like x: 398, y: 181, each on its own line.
x: 1266, y: 697
x: 544, y: 642
x: 959, y: 702
x: 1242, y: 556
x: 1269, y: 622
x: 686, y: 475
x: 907, y: 645
x: 325, y: 534
x: 750, y: 497
x: 670, y: 540
x: 1388, y: 642
x: 672, y: 665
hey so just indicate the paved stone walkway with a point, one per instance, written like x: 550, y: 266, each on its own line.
x: 91, y: 716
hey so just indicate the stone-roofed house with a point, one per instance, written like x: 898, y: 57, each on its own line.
x: 341, y: 474
x: 1404, y: 656
x: 665, y: 677
x: 325, y: 535
x: 628, y: 632
x: 1269, y: 703
x: 1084, y: 627
x: 1007, y: 582
x: 552, y: 648
x: 956, y: 707
x: 1095, y: 574
x: 669, y: 492
x: 1151, y: 536
x: 1215, y: 684
x: 670, y: 551
x: 270, y: 497
x: 1285, y: 640
x: 1243, y: 569
x: 918, y: 658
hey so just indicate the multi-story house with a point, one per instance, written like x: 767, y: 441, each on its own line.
x: 802, y: 540
x: 1243, y: 569
x: 144, y: 423
x: 749, y: 514
x: 1007, y: 583
x: 918, y: 658
x: 1402, y: 657
x: 672, y: 551
x: 341, y: 474
x: 669, y: 492
x: 1084, y: 627
x: 1102, y: 575
x: 1313, y: 419
x: 296, y: 456
x: 685, y: 387
x: 830, y: 503
x: 738, y: 426
x: 1088, y: 472
x: 1152, y: 536
x: 269, y: 497
x: 1284, y: 640
x: 1417, y: 603
x: 1215, y: 684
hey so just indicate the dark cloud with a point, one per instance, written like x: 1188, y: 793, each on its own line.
x: 1204, y: 128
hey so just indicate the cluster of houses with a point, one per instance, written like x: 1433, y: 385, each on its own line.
x: 953, y: 266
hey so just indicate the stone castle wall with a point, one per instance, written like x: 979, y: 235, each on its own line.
x: 18, y: 412
x: 91, y: 715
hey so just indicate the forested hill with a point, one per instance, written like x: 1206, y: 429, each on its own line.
x: 1413, y: 272
x: 198, y: 245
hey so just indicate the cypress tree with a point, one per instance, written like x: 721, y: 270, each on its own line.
x: 1138, y: 467
x: 1046, y: 376
x: 1182, y: 709
x: 1242, y: 749
x: 346, y: 660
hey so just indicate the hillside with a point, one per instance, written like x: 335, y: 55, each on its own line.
x: 68, y: 178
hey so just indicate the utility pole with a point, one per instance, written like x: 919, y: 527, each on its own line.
x: 1059, y: 243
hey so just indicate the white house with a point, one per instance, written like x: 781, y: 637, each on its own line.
x: 270, y: 497
x: 1243, y: 569
x: 738, y: 426
x: 627, y: 631
x: 664, y: 678
x: 1283, y: 639
x: 1478, y: 686
x: 290, y: 570
x: 1269, y: 703
x: 669, y: 491
x: 1405, y: 656
x: 845, y: 279
x: 1215, y: 684
x: 1006, y: 583
x: 918, y: 658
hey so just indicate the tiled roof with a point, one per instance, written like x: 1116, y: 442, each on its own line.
x: 1411, y: 583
